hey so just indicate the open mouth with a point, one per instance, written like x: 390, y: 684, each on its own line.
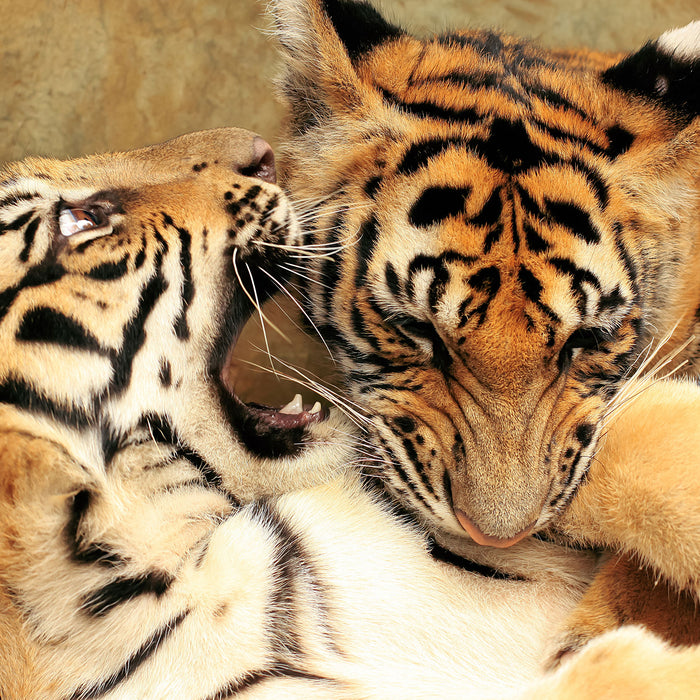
x: 266, y: 430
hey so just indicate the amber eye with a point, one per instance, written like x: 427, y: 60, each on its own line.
x: 72, y: 221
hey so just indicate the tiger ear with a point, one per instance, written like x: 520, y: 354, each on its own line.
x: 666, y: 71
x: 321, y: 40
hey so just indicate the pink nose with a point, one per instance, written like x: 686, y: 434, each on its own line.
x: 489, y: 540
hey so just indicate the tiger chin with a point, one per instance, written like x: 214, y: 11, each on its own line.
x: 520, y: 234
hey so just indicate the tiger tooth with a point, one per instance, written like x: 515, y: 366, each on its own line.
x: 316, y: 408
x: 294, y: 406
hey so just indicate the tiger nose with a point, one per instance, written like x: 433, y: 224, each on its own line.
x: 262, y: 162
x: 475, y: 532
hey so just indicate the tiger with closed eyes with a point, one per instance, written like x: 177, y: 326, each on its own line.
x: 521, y: 230
x: 159, y: 538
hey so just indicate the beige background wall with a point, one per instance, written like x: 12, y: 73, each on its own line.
x: 80, y: 76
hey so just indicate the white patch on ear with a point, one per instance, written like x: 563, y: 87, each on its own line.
x: 292, y: 25
x: 682, y: 43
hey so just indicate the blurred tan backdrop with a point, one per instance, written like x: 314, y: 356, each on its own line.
x: 81, y: 76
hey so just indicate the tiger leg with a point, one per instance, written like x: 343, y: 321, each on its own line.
x: 642, y: 499
x: 623, y: 592
x: 626, y: 664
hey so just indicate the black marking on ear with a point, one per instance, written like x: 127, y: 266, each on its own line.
x: 46, y: 325
x: 123, y: 589
x: 372, y: 186
x: 664, y: 78
x: 110, y: 270
x: 29, y: 234
x: 436, y: 204
x: 131, y: 665
x: 359, y: 26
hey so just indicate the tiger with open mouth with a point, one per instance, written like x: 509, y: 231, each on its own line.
x: 159, y: 538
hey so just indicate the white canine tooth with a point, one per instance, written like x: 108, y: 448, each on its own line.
x: 294, y: 406
x: 316, y: 408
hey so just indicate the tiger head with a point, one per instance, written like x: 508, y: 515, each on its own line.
x: 518, y: 225
x: 125, y: 279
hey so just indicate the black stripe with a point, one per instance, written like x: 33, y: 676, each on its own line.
x: 16, y: 199
x: 533, y: 240
x: 24, y: 396
x: 429, y: 110
x: 86, y: 552
x: 123, y: 589
x: 254, y: 678
x: 29, y: 234
x: 134, y: 333
x: 572, y: 217
x: 444, y: 555
x: 490, y: 213
x: 17, y: 223
x: 161, y: 430
x: 110, y: 270
x: 420, y: 154
x: 181, y: 327
x: 435, y: 204
x: 37, y: 276
x: 369, y: 233
x: 45, y: 325
x: 132, y: 664
x: 400, y: 472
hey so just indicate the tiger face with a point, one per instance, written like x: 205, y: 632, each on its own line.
x: 125, y: 280
x: 519, y: 228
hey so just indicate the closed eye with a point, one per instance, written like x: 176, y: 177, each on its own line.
x: 583, y: 339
